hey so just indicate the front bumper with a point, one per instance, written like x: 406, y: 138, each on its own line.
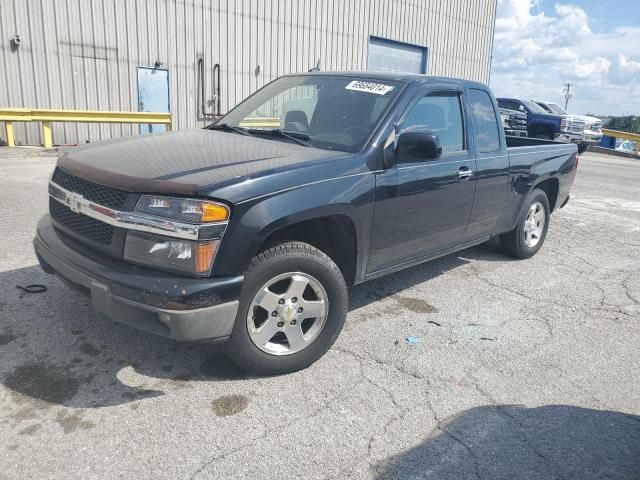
x: 568, y: 137
x: 515, y: 133
x: 182, y: 308
x: 592, y: 136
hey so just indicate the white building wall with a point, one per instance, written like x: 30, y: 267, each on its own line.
x: 84, y: 54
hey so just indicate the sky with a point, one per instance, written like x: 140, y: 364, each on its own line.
x: 540, y: 45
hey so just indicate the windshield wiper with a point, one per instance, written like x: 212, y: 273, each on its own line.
x: 229, y: 128
x: 297, y: 137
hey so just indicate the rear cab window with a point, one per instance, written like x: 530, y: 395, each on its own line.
x: 485, y: 121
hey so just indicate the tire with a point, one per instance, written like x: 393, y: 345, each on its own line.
x: 283, y: 270
x: 521, y: 242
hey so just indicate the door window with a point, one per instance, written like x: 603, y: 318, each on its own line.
x: 440, y: 113
x: 485, y: 121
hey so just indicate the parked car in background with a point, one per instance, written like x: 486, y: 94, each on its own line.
x: 251, y: 235
x: 627, y: 146
x: 514, y: 122
x: 540, y: 123
x: 591, y: 126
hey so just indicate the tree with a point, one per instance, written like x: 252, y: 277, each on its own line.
x: 629, y: 124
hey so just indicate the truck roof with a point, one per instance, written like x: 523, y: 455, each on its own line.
x: 395, y: 76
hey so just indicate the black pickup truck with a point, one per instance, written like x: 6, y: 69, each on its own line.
x: 250, y: 231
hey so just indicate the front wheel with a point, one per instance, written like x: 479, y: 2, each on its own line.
x: 527, y: 238
x: 292, y: 308
x: 582, y: 147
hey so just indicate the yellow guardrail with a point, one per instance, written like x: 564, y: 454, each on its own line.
x: 264, y: 122
x: 47, y: 116
x: 635, y: 137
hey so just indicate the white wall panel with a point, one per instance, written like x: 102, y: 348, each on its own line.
x: 84, y: 54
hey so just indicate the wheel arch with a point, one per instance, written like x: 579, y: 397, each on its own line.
x: 331, y: 230
x: 551, y: 187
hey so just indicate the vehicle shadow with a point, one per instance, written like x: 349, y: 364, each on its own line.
x: 513, y: 442
x: 389, y: 285
x: 55, y: 348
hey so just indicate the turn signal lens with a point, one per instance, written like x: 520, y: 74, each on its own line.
x: 205, y: 251
x: 214, y: 212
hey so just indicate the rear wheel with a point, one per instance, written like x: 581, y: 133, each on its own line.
x: 527, y: 238
x: 292, y: 308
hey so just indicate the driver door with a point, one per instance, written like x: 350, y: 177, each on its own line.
x: 424, y: 207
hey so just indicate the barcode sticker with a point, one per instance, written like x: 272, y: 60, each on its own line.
x: 369, y: 87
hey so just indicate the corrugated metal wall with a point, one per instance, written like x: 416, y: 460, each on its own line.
x: 84, y: 54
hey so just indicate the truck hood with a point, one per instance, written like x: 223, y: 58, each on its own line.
x: 184, y: 162
x: 585, y: 118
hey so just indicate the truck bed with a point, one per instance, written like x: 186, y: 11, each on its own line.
x: 514, y: 141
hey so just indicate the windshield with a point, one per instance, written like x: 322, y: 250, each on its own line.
x: 534, y: 107
x: 332, y: 112
x: 557, y: 108
x: 545, y: 107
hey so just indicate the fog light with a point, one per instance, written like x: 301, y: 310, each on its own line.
x: 170, y: 254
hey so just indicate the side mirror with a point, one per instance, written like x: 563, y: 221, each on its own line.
x: 417, y: 146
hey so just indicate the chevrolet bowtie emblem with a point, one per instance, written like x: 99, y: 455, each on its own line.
x: 73, y: 201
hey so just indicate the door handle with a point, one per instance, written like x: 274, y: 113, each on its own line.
x: 465, y: 173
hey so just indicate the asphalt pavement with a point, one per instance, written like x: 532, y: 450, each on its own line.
x: 519, y: 369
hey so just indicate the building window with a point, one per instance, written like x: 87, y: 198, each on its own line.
x: 392, y: 56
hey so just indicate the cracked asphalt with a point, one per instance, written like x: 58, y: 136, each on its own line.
x: 521, y: 370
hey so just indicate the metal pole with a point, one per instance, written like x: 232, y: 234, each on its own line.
x: 47, y: 136
x: 567, y: 95
x: 11, y: 141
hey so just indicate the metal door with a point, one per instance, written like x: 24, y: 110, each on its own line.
x: 153, y: 95
x: 423, y: 208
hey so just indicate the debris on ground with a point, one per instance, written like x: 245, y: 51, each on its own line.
x: 412, y: 340
x: 33, y: 288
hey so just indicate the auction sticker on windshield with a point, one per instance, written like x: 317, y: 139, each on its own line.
x: 370, y: 87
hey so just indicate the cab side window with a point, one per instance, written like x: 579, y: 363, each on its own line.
x: 485, y: 121
x: 440, y: 113
x: 511, y: 105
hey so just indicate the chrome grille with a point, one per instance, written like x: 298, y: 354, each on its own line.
x: 87, y: 227
x: 109, y: 197
x: 576, y: 126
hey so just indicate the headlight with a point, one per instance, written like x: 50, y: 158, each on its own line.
x: 171, y: 254
x: 183, y: 209
x: 179, y: 255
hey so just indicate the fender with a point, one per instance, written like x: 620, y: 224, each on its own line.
x: 554, y: 164
x: 255, y: 220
